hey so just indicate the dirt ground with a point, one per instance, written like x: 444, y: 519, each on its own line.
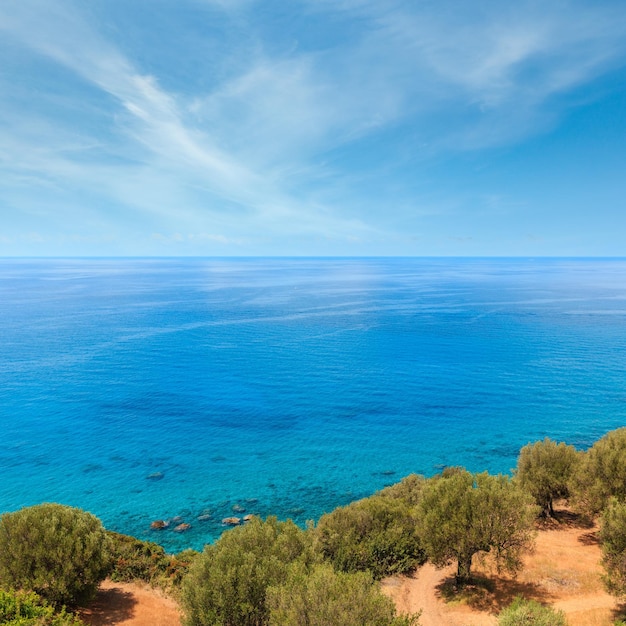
x: 563, y: 572
x: 130, y: 604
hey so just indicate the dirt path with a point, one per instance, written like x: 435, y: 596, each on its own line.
x: 422, y: 591
x: 563, y: 572
x: 130, y: 604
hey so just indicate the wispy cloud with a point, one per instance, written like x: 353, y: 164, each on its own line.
x: 161, y: 124
x: 494, y: 66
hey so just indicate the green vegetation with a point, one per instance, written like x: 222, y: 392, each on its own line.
x: 601, y: 474
x: 613, y: 536
x: 408, y: 490
x: 530, y: 613
x: 377, y: 534
x: 227, y: 584
x: 26, y: 608
x: 323, y: 596
x: 57, y: 551
x: 462, y: 514
x: 544, y: 469
x: 133, y: 559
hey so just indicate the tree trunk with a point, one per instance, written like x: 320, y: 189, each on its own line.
x: 463, y: 574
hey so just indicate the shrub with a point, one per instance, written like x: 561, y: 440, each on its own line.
x: 530, y: 613
x: 133, y: 559
x: 324, y: 597
x: 26, y: 608
x: 227, y: 583
x: 613, y: 537
x: 59, y: 552
x: 375, y: 534
x: 408, y: 490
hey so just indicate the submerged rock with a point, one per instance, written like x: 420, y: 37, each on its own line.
x: 181, y: 528
x: 237, y: 508
x: 159, y: 524
x: 205, y: 517
x: 155, y: 476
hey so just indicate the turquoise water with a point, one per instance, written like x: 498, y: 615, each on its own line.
x: 158, y: 388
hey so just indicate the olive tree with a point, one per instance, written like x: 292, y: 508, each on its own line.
x: 601, y: 473
x: 322, y: 597
x: 59, y: 552
x: 462, y: 514
x: 544, y: 469
x: 376, y: 534
x: 227, y: 584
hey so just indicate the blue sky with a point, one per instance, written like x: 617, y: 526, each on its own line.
x: 312, y: 127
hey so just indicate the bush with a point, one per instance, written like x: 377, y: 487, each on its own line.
x: 227, y: 583
x: 376, y: 534
x: 530, y: 613
x: 26, y: 608
x: 613, y: 537
x: 408, y: 490
x: 133, y: 559
x: 59, y: 552
x: 323, y: 597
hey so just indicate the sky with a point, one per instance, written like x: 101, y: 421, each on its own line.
x: 312, y: 128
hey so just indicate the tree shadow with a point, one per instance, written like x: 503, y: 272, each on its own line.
x: 109, y: 607
x: 565, y: 519
x: 491, y: 594
x: 590, y: 539
x: 619, y: 612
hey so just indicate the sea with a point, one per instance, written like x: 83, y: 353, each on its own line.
x: 190, y: 390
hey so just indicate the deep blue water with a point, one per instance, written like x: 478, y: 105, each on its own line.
x: 291, y: 386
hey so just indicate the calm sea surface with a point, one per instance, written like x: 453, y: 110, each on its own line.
x: 153, y: 389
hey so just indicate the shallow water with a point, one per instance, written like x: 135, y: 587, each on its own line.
x: 142, y: 389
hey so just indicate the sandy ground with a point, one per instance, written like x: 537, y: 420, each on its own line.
x: 564, y: 572
x: 130, y: 604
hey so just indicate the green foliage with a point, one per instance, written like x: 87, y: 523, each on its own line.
x: 461, y: 514
x: 375, y: 534
x: 613, y: 537
x: 408, y: 490
x: 59, y: 552
x: 227, y: 584
x: 323, y: 597
x: 544, y: 469
x: 146, y: 561
x: 26, y: 608
x: 601, y: 474
x: 530, y: 613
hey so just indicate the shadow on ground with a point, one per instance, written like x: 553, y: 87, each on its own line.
x: 490, y: 594
x: 110, y: 607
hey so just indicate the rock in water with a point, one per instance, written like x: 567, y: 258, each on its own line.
x: 159, y: 524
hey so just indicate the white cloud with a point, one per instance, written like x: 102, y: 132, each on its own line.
x: 505, y: 61
x: 175, y: 148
